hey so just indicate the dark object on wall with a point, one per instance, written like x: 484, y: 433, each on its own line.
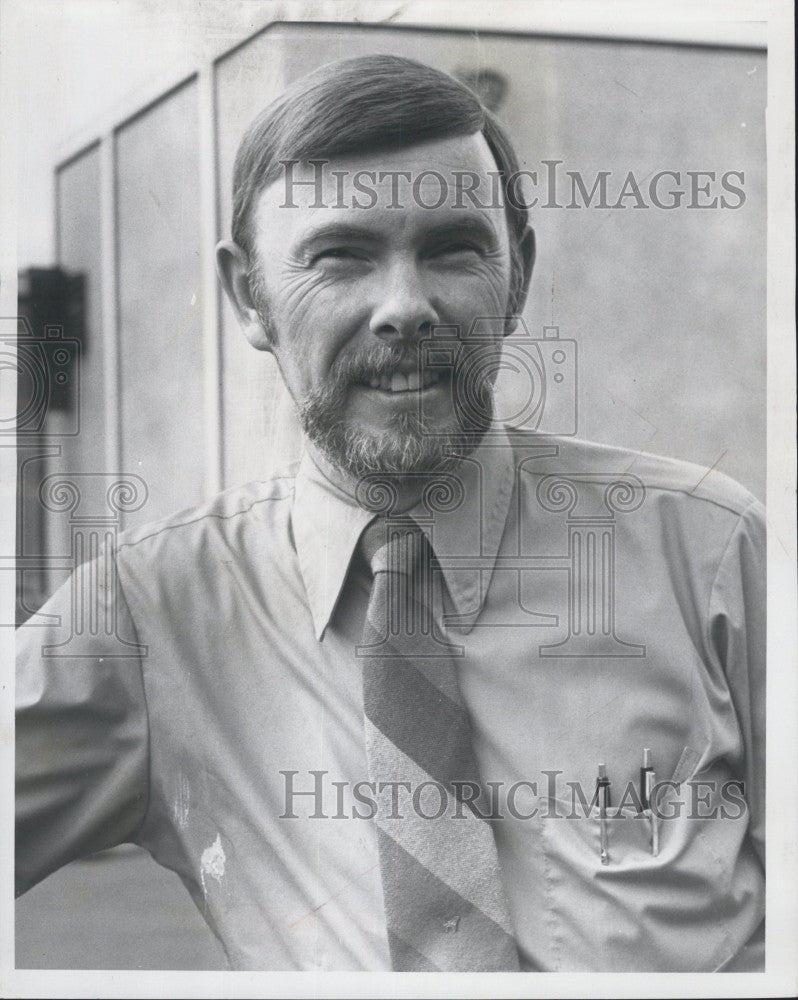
x: 45, y: 349
x: 49, y: 346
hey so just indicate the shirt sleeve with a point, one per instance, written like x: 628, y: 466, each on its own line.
x: 81, y: 729
x: 738, y: 630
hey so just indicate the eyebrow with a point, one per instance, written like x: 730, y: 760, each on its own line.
x: 468, y: 225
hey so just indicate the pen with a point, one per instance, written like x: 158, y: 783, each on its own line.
x: 603, y: 795
x: 647, y: 780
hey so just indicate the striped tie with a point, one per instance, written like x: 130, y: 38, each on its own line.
x: 444, y: 898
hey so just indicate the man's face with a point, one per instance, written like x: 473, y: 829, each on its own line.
x: 350, y: 293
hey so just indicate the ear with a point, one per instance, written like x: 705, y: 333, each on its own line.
x: 520, y: 288
x: 232, y: 266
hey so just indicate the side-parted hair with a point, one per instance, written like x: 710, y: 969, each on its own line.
x: 368, y: 104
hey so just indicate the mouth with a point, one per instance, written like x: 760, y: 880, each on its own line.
x: 399, y: 382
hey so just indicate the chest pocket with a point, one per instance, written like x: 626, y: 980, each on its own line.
x: 686, y: 908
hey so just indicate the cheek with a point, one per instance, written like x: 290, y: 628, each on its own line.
x: 315, y: 320
x: 299, y: 301
x: 466, y: 297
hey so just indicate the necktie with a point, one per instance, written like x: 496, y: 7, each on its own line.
x: 444, y: 898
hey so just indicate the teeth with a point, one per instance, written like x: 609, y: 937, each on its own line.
x: 398, y: 382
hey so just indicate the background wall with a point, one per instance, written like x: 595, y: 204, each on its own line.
x: 667, y: 307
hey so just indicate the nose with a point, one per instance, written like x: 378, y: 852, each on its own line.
x: 404, y: 312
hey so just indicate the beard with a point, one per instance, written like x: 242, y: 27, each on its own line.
x: 413, y: 444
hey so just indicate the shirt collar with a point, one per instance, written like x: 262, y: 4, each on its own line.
x: 327, y: 524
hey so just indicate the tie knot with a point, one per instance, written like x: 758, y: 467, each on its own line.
x: 394, y: 546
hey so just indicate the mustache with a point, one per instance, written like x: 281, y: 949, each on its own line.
x: 373, y: 362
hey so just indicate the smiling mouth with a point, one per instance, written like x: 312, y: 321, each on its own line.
x: 399, y: 382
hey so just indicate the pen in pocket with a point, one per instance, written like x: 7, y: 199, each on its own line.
x: 647, y: 782
x: 646, y: 779
x: 603, y: 796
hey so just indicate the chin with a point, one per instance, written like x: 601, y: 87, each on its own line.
x: 410, y: 444
x: 405, y: 449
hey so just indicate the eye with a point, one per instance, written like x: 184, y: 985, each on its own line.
x: 454, y: 248
x: 337, y: 254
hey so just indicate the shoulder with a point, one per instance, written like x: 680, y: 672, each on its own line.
x: 662, y: 479
x: 228, y: 513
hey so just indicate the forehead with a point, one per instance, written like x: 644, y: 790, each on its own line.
x: 417, y: 186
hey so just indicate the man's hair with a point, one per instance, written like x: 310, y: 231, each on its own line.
x: 368, y: 104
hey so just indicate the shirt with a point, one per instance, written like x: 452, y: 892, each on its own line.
x: 603, y: 602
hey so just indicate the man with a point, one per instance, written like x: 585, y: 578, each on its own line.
x: 390, y: 709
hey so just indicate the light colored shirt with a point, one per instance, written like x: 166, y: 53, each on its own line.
x: 594, y: 621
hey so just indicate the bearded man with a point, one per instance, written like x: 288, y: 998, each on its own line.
x: 389, y: 710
